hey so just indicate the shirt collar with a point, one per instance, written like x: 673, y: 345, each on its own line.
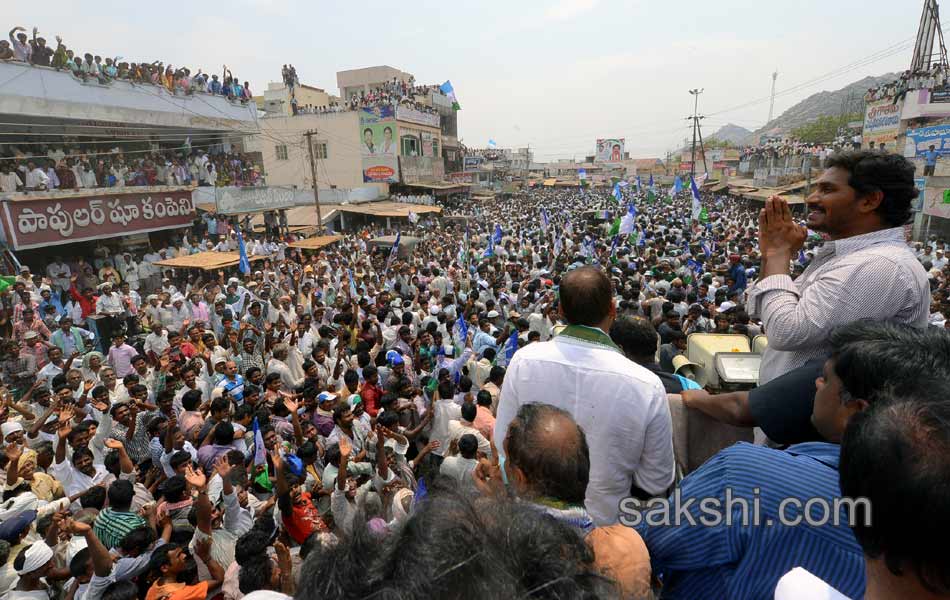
x: 859, y: 242
x: 824, y: 452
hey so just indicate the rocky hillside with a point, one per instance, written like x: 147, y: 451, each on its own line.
x: 734, y: 134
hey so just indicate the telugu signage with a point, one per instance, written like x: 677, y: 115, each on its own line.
x: 882, y: 121
x: 413, y: 115
x: 471, y: 163
x: 52, y: 221
x: 379, y: 145
x: 918, y: 141
x: 232, y: 200
x: 936, y: 196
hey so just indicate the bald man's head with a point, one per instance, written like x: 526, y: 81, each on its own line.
x: 547, y: 452
x: 586, y: 297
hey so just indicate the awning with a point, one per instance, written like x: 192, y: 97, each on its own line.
x: 316, y: 242
x: 388, y: 209
x: 439, y: 185
x: 550, y: 182
x: 209, y: 261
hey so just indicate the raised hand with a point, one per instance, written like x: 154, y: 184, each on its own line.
x: 196, y: 478
x: 345, y: 447
x: 113, y: 444
x: 222, y: 466
x: 13, y: 452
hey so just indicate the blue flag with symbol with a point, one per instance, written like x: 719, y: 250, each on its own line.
x: 490, y: 250
x: 639, y: 185
x: 650, y: 184
x: 395, y: 250
x: 706, y: 249
x: 498, y: 234
x: 617, y: 193
x: 697, y: 205
x: 544, y: 219
x: 349, y: 273
x: 244, y: 265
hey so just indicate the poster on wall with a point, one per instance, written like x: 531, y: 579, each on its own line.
x: 609, y: 150
x: 921, y: 139
x: 378, y: 145
x: 882, y: 121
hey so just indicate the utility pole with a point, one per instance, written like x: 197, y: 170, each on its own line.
x: 313, y: 174
x: 702, y: 148
x: 692, y: 161
x: 772, y: 103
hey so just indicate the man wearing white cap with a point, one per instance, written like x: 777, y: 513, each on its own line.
x: 108, y: 305
x: 32, y: 564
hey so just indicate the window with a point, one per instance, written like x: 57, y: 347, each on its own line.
x: 281, y: 152
x: 410, y: 146
x: 435, y: 148
x: 320, y: 150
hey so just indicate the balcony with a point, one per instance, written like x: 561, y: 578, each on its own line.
x: 30, y: 93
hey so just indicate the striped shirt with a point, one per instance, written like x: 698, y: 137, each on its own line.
x: 744, y: 560
x: 872, y: 276
x: 111, y: 526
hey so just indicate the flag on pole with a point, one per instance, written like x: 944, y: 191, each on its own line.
x: 349, y: 273
x: 677, y: 187
x: 558, y: 246
x: 544, y: 219
x: 260, y: 456
x: 492, y: 144
x: 650, y: 184
x: 498, y: 234
x: 511, y: 346
x: 395, y: 250
x: 490, y: 250
x: 244, y: 265
x: 627, y: 224
x: 613, y: 249
x: 651, y: 196
x: 706, y: 251
x: 461, y: 331
x: 568, y: 228
x: 697, y: 205
x: 447, y: 89
x: 639, y: 185
x: 615, y: 227
x: 618, y: 195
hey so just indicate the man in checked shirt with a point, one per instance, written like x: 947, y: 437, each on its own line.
x: 865, y: 269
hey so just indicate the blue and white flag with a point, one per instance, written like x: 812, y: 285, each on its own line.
x: 260, y: 453
x: 694, y: 267
x: 490, y: 250
x: 582, y: 174
x: 545, y: 222
x: 697, y: 205
x: 511, y: 346
x: 706, y: 250
x: 605, y: 215
x: 558, y: 246
x: 623, y: 184
x: 244, y: 265
x: 802, y: 259
x: 613, y: 246
x: 395, y: 250
x: 568, y: 228
x: 413, y: 217
x: 492, y: 144
x: 461, y: 331
x: 349, y: 273
x: 498, y: 234
x: 618, y: 195
x: 650, y: 185
x: 677, y: 187
x: 639, y: 185
x: 641, y: 239
x: 628, y: 222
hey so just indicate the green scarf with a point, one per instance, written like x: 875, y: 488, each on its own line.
x: 591, y: 335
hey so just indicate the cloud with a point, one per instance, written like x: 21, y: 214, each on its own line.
x: 568, y: 9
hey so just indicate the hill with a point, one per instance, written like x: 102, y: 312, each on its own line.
x: 731, y: 133
x: 849, y: 99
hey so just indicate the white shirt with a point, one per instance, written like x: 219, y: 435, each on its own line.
x: 9, y: 182
x: 620, y: 405
x: 37, y: 178
x: 444, y: 410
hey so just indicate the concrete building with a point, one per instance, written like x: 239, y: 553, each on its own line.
x: 277, y: 99
x: 354, y: 81
x: 54, y: 118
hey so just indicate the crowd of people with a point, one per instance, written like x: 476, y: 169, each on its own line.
x: 928, y: 79
x: 392, y: 93
x: 88, y: 67
x: 485, y: 414
x: 74, y: 167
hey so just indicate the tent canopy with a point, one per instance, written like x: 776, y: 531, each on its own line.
x: 209, y: 261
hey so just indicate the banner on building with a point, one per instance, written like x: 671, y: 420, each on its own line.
x: 232, y: 200
x: 52, y: 221
x: 917, y: 141
x: 882, y: 121
x: 379, y: 144
x: 471, y: 163
x: 419, y: 169
x: 410, y: 114
x: 609, y: 150
x: 936, y: 196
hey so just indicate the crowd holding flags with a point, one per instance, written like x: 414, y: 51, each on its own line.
x: 498, y: 234
x: 545, y: 222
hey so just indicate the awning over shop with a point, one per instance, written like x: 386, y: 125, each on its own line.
x: 439, y: 185
x: 317, y: 242
x: 209, y: 261
x: 388, y: 209
x: 550, y: 182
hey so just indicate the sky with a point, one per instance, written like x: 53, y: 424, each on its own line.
x: 552, y: 74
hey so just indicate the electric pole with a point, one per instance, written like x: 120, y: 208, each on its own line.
x: 313, y: 175
x: 692, y: 162
x: 772, y: 103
